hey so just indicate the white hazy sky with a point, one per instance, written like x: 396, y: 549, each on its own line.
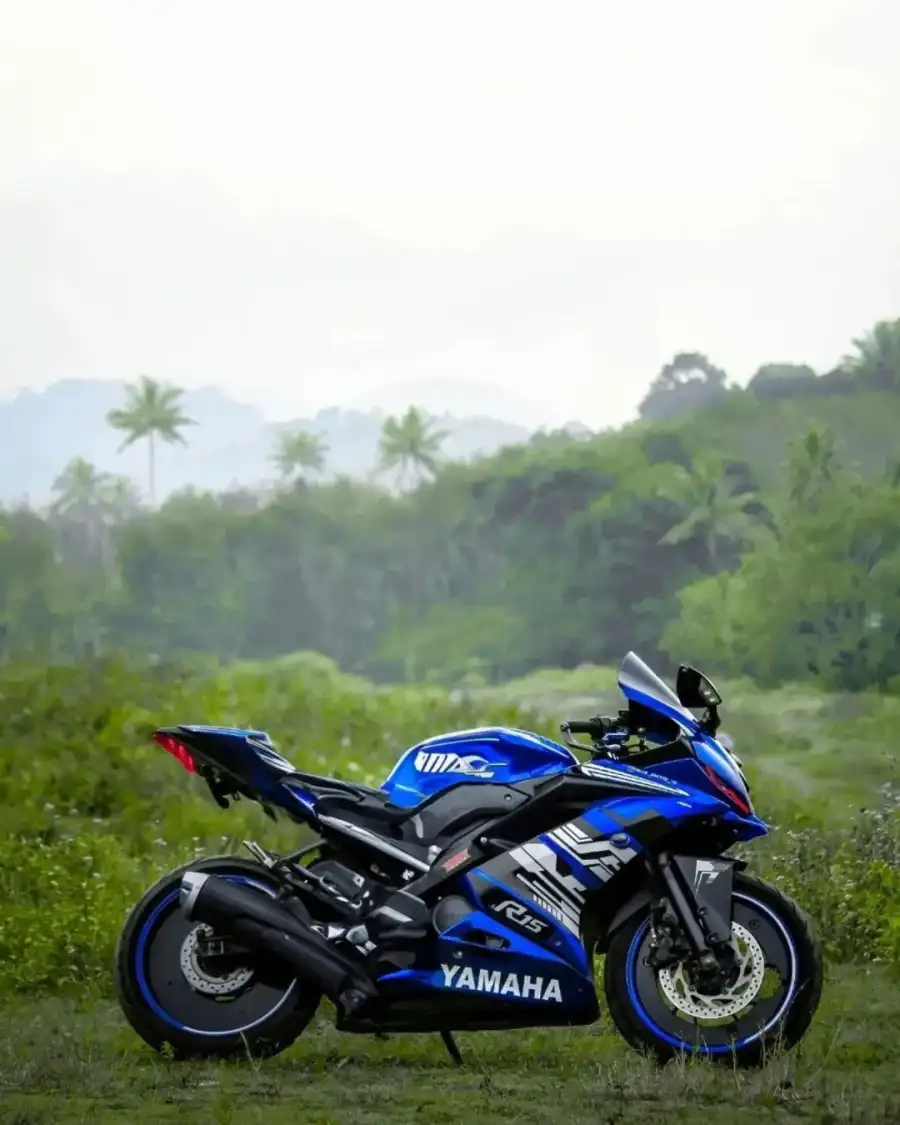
x: 306, y: 202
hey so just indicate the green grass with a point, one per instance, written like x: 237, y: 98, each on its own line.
x: 93, y: 817
x: 64, y: 1064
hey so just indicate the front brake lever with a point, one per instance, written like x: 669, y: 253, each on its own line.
x: 573, y: 742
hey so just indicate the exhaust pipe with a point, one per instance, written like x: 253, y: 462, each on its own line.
x: 266, y: 926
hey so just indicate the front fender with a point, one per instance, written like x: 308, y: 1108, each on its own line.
x: 638, y: 902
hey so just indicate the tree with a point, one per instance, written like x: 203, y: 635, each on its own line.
x: 299, y: 452
x: 122, y: 499
x: 813, y: 464
x: 81, y: 491
x: 816, y: 597
x: 88, y: 504
x: 689, y: 380
x: 151, y: 411
x: 84, y: 493
x: 689, y: 368
x: 876, y: 359
x: 781, y: 380
x: 31, y: 584
x: 411, y: 444
x: 714, y: 510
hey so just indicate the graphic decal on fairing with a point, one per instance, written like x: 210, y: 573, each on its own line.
x: 515, y: 914
x: 471, y: 765
x: 536, y: 867
x: 629, y: 780
x: 601, y: 857
x: 704, y: 872
x: 552, y: 910
x: 501, y: 984
x: 545, y: 876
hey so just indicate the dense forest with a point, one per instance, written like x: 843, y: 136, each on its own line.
x: 756, y: 530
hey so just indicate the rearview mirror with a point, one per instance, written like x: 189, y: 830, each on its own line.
x: 695, y: 690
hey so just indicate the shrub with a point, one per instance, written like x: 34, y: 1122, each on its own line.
x: 91, y: 812
x: 847, y: 875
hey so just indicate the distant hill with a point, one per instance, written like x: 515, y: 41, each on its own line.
x: 459, y: 397
x: 41, y: 431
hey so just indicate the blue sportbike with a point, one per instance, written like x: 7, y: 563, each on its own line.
x: 477, y: 890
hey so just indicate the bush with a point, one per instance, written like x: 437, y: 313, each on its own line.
x: 91, y: 812
x: 63, y: 906
x: 846, y: 875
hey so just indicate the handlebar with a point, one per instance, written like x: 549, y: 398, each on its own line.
x: 600, y: 729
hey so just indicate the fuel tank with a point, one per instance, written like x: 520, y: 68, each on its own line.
x: 498, y: 755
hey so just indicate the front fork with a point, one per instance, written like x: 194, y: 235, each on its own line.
x: 693, y: 916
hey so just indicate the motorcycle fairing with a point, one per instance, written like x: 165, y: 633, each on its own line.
x: 503, y: 755
x: 642, y: 687
x: 592, y: 864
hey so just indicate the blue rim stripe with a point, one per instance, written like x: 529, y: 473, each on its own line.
x: 144, y: 985
x: 630, y: 977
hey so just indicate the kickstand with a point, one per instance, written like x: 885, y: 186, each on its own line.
x: 452, y: 1049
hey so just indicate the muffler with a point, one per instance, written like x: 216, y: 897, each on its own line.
x: 266, y: 926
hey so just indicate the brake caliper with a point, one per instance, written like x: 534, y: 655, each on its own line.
x: 667, y: 943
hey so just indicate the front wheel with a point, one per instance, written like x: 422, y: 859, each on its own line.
x: 769, y: 1004
x: 204, y: 1006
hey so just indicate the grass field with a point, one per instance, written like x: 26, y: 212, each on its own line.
x: 61, y: 1065
x: 70, y: 1058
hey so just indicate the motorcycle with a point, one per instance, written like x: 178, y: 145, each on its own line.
x: 476, y: 887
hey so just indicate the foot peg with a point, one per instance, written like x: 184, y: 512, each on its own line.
x: 400, y: 921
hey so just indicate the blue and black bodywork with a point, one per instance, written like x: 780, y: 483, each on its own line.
x: 527, y: 858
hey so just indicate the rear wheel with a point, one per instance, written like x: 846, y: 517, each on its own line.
x: 175, y: 989
x: 769, y: 1003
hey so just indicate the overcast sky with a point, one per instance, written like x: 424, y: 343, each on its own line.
x: 305, y: 202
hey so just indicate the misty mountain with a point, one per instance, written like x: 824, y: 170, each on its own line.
x: 230, y: 445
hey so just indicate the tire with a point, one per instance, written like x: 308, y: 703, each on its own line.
x: 785, y: 936
x: 262, y: 1018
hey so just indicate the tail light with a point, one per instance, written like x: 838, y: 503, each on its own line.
x: 177, y: 749
x: 735, y: 798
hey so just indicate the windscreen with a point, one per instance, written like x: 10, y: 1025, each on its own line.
x: 635, y: 674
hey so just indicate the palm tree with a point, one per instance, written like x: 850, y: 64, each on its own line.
x: 81, y: 488
x: 877, y: 354
x: 410, y: 443
x: 93, y: 501
x: 151, y: 411
x: 715, y: 512
x: 813, y: 463
x: 299, y: 452
x: 122, y: 498
x: 79, y: 491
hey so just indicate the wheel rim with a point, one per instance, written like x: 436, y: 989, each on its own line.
x: 677, y: 1013
x: 195, y: 972
x: 177, y: 987
x: 684, y: 997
